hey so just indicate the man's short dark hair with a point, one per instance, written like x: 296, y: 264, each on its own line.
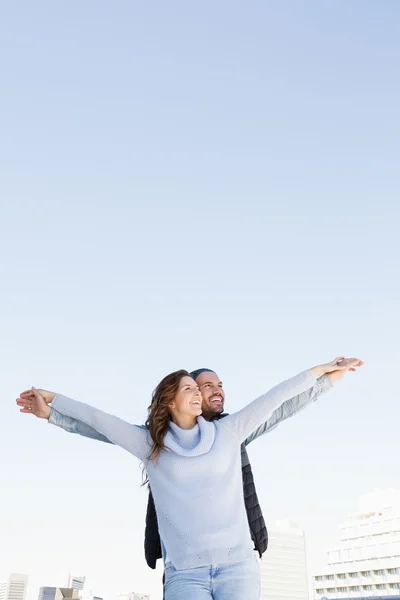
x: 198, y: 372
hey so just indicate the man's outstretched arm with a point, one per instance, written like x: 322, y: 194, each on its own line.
x: 74, y: 426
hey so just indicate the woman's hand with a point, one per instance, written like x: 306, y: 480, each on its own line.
x: 337, y: 368
x: 48, y: 397
x: 349, y: 364
x: 33, y: 402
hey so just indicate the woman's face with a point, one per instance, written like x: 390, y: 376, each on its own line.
x: 188, y: 399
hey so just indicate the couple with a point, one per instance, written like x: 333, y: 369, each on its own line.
x: 192, y: 463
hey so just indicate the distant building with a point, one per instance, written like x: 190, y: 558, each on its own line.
x: 90, y: 596
x: 14, y: 588
x: 76, y: 582
x: 283, y: 568
x: 366, y: 563
x: 47, y: 593
x: 54, y: 593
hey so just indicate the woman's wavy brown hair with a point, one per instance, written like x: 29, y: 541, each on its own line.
x: 159, y: 416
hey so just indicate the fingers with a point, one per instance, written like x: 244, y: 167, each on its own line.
x: 26, y: 404
x: 336, y: 364
x: 353, y: 362
x: 37, y: 395
x: 343, y: 364
x: 23, y: 402
x: 337, y: 360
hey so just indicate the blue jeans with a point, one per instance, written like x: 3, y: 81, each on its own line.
x: 233, y: 581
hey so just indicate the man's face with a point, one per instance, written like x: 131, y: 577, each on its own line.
x: 212, y: 393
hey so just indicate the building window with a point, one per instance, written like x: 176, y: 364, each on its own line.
x: 379, y: 572
x: 353, y: 575
x: 342, y: 576
x: 334, y: 556
x: 356, y: 554
x: 344, y: 555
x: 365, y: 573
x: 370, y: 552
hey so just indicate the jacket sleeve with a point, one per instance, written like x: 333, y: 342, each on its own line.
x: 132, y: 438
x: 245, y: 421
x: 291, y: 407
x: 74, y: 426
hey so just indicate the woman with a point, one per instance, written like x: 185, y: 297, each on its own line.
x: 194, y: 471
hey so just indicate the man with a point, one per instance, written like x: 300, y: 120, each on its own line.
x: 213, y: 398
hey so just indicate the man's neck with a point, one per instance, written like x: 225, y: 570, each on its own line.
x: 211, y: 416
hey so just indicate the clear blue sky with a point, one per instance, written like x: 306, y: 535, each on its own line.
x: 186, y: 184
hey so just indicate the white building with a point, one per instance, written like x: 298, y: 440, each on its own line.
x: 366, y: 563
x: 14, y: 588
x: 284, y: 566
x: 76, y: 582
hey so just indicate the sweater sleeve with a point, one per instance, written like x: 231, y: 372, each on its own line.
x: 245, y: 421
x: 291, y: 407
x: 74, y: 426
x: 132, y: 438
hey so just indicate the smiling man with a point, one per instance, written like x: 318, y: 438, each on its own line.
x: 212, y: 392
x: 213, y: 401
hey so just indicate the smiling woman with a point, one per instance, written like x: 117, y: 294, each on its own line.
x: 186, y: 406
x: 177, y: 397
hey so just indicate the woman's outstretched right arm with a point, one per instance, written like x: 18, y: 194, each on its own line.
x: 68, y: 424
x: 132, y: 438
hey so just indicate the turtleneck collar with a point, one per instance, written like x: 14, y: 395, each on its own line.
x: 191, y: 442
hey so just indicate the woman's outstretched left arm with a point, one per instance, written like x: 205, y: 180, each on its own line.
x: 245, y: 421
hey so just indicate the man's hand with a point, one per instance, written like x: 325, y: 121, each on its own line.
x: 347, y: 364
x: 33, y: 403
